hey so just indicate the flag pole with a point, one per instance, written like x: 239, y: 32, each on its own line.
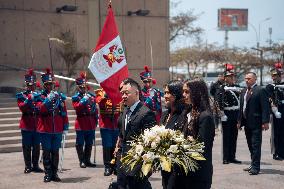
x: 109, y: 4
x: 32, y: 55
x: 50, y: 55
x: 152, y: 61
x: 56, y: 76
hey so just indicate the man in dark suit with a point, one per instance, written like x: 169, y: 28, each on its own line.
x: 135, y: 118
x: 254, y: 116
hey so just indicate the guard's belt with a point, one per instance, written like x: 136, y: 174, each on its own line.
x: 50, y: 114
x: 85, y: 114
x: 30, y: 114
x: 232, y: 108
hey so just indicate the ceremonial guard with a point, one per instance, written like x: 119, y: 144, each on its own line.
x: 84, y: 103
x: 109, y: 114
x: 229, y: 104
x: 213, y: 88
x: 276, y: 97
x: 53, y: 123
x: 151, y: 96
x: 28, y: 102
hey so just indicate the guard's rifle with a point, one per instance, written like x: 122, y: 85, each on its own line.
x: 274, y: 109
x: 56, y: 101
x: 236, y: 89
x: 93, y: 109
x: 62, y: 152
x: 278, y: 86
x: 274, y: 103
x: 56, y: 76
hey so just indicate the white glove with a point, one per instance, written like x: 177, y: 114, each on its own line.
x: 274, y: 109
x: 277, y: 115
x: 275, y: 112
x: 51, y: 96
x: 224, y: 118
x: 65, y: 132
x: 86, y: 97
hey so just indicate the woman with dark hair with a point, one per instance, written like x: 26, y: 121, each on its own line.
x: 200, y: 126
x: 172, y: 119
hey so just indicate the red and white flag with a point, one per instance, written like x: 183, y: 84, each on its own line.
x: 108, y: 63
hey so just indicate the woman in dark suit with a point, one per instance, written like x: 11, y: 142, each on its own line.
x: 200, y: 126
x: 173, y: 119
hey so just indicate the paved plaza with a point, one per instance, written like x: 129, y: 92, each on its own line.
x: 229, y: 176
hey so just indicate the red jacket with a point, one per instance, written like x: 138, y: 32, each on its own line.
x: 28, y: 105
x: 53, y: 114
x: 86, y: 111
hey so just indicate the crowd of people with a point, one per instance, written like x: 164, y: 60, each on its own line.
x: 189, y: 109
x: 252, y: 108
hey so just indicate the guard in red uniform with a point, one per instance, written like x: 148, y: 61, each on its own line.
x: 108, y: 128
x: 85, y: 106
x: 28, y: 102
x: 151, y: 96
x: 53, y: 123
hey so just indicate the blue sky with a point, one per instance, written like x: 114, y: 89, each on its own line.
x: 258, y: 10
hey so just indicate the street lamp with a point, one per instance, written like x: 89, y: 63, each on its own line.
x: 261, y: 63
x: 266, y: 19
x: 258, y: 44
x: 257, y: 33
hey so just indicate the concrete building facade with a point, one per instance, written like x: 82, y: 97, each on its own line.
x: 25, y: 26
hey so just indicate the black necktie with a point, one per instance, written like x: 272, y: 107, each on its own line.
x: 127, y: 117
x: 248, y: 94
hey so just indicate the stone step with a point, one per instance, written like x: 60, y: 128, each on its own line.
x: 17, y: 119
x: 13, y: 133
x: 7, y: 105
x: 15, y: 126
x: 9, y: 109
x: 8, y: 100
x: 9, y: 114
x: 8, y: 148
x: 18, y: 139
x: 7, y: 95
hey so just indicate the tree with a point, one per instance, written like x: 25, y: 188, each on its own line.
x: 70, y: 54
x: 197, y: 58
x: 276, y: 51
x: 183, y: 25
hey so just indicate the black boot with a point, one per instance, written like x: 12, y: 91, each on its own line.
x: 35, y: 158
x: 55, y: 162
x: 80, y: 154
x: 107, y: 159
x: 27, y: 158
x: 47, y: 165
x: 87, y: 156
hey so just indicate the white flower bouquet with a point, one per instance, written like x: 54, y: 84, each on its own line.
x: 159, y: 148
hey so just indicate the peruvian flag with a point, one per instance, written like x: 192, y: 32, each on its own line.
x: 108, y: 63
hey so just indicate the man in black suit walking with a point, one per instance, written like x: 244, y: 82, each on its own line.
x: 254, y: 116
x: 135, y: 118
